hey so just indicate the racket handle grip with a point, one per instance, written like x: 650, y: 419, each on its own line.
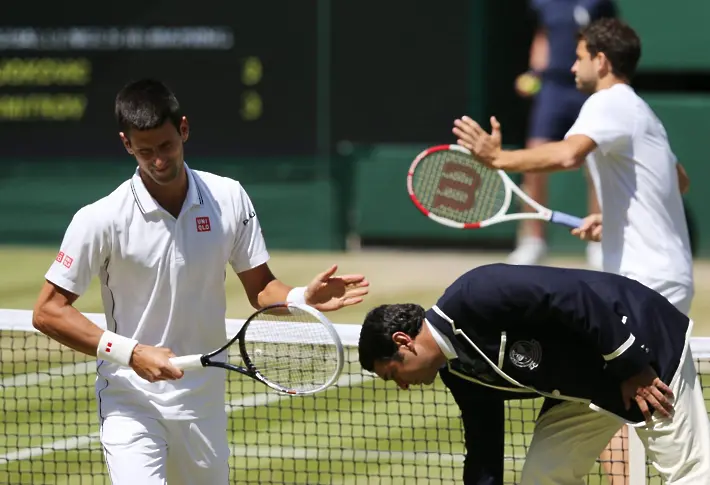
x: 566, y: 220
x: 187, y: 362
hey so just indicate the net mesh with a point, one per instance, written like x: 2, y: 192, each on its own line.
x: 361, y: 431
x: 452, y: 185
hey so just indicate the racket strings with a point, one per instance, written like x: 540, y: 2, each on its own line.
x: 292, y: 348
x: 493, y: 185
x: 454, y: 186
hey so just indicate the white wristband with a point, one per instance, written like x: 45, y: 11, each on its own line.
x: 115, y: 348
x: 297, y: 295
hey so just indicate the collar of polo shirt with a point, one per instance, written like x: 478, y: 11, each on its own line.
x: 147, y: 204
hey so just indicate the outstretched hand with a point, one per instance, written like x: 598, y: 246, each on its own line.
x: 485, y: 147
x: 327, y: 292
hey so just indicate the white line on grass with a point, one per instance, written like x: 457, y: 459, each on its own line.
x: 48, y: 375
x: 263, y: 399
x: 73, y: 443
x: 419, y: 458
x: 423, y: 458
x: 270, y: 452
x: 232, y: 406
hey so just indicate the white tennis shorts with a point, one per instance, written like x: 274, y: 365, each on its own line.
x: 569, y: 437
x: 149, y: 451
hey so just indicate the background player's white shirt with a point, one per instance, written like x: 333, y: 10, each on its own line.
x: 162, y: 283
x: 634, y: 171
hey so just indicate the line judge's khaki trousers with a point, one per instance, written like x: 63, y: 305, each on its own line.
x: 570, y: 436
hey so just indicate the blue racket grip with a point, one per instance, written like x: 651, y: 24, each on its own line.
x: 566, y: 219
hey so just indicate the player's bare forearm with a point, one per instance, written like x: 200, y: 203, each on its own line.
x: 274, y: 292
x: 55, y: 317
x: 262, y: 287
x: 549, y: 157
x: 326, y: 292
x: 539, y: 51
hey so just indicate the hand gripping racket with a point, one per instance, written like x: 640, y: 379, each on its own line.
x: 292, y: 348
x: 448, y: 185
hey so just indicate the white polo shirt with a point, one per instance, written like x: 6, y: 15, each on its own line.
x: 162, y: 283
x: 634, y: 172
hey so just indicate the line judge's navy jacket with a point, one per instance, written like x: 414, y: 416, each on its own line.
x: 566, y: 334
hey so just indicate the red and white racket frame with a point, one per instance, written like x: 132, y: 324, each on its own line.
x: 542, y: 213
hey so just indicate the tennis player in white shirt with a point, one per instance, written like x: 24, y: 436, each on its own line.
x: 160, y: 244
x: 637, y: 177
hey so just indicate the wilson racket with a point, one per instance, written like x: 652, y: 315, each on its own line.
x: 292, y: 348
x: 448, y: 185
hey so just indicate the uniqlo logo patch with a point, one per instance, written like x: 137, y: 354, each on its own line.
x: 108, y: 347
x: 203, y: 224
x: 64, y: 259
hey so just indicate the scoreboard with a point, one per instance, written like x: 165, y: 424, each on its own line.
x: 244, y: 73
x: 278, y: 78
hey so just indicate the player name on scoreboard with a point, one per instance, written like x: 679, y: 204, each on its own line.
x: 37, y: 73
x: 238, y: 80
x: 40, y: 72
x: 116, y: 37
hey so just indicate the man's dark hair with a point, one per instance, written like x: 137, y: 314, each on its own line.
x: 380, y: 324
x: 146, y: 104
x: 619, y: 43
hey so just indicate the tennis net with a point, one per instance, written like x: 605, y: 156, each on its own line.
x: 362, y: 431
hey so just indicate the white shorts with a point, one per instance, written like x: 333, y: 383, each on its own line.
x: 570, y: 436
x: 150, y: 451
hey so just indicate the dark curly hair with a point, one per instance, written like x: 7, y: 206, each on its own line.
x: 380, y: 324
x: 145, y: 105
x: 617, y: 41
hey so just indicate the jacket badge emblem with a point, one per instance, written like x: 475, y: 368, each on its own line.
x: 526, y: 354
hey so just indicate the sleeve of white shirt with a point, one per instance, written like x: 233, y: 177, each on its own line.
x: 249, y: 250
x: 604, y: 121
x: 84, y: 250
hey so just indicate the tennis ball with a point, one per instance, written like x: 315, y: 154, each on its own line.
x: 528, y: 84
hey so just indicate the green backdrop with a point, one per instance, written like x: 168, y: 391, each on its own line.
x: 318, y: 202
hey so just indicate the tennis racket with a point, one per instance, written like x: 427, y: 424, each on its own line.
x: 448, y: 185
x: 291, y: 348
